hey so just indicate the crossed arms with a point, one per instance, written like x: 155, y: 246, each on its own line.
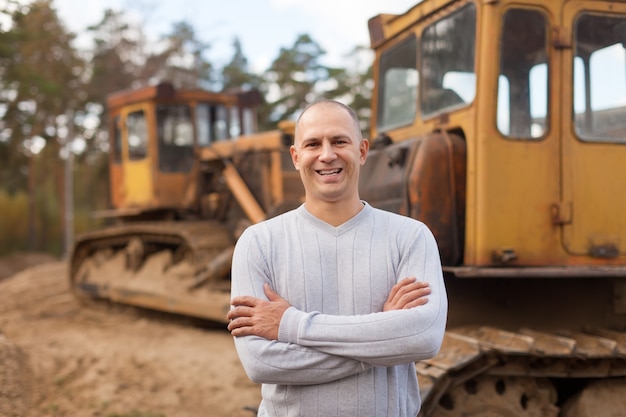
x: 252, y: 316
x: 281, y: 344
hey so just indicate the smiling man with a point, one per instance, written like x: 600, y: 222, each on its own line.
x: 328, y: 152
x: 334, y: 301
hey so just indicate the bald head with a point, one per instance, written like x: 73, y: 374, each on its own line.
x: 340, y: 106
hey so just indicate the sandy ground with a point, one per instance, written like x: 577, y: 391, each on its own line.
x: 61, y: 358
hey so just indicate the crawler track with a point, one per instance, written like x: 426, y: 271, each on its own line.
x: 485, y: 371
x: 174, y: 267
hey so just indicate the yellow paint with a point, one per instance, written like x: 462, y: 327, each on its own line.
x: 138, y: 174
x: 513, y: 186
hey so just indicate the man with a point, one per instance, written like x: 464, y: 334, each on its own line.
x: 320, y: 312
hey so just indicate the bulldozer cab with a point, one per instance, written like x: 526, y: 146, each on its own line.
x: 156, y: 133
x: 520, y: 107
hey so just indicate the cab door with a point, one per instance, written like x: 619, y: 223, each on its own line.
x: 517, y: 154
x: 592, y: 212
x: 137, y: 156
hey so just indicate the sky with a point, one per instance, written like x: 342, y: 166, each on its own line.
x: 263, y: 26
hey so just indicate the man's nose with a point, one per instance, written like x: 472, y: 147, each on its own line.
x: 327, y: 152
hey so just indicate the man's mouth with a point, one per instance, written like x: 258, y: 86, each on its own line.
x: 329, y: 171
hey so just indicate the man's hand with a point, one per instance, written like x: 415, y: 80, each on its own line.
x: 407, y: 293
x: 253, y: 316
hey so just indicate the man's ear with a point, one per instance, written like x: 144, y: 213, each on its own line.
x: 363, y: 150
x: 294, y: 157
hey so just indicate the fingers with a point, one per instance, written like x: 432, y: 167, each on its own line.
x: 243, y: 306
x: 250, y: 301
x: 242, y: 326
x: 257, y: 317
x: 237, y: 323
x: 398, y: 285
x: 271, y: 294
x: 241, y: 320
x: 239, y: 311
x: 245, y: 300
x: 407, y: 293
x: 416, y: 303
x: 407, y: 287
x: 415, y: 298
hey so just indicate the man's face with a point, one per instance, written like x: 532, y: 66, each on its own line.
x: 328, y: 152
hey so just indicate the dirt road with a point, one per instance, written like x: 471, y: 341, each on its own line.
x: 59, y: 358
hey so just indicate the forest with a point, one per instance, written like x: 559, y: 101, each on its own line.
x: 53, y: 124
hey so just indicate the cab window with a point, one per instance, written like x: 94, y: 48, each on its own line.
x: 448, y: 80
x: 600, y: 78
x: 212, y: 123
x: 248, y: 121
x: 137, y: 129
x: 397, y: 89
x: 175, y: 138
x: 522, y: 111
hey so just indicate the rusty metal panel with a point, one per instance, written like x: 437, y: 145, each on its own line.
x: 423, y: 178
x: 436, y: 191
x: 382, y: 180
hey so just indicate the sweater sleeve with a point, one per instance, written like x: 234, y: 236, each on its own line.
x: 275, y: 362
x: 384, y: 338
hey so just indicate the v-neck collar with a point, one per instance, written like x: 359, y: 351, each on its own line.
x: 335, y: 230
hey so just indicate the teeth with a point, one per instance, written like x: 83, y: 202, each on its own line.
x: 329, y: 172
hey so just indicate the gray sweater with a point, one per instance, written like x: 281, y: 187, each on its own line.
x: 337, y: 353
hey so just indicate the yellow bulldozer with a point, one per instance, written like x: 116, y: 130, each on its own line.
x: 188, y: 173
x: 501, y: 124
